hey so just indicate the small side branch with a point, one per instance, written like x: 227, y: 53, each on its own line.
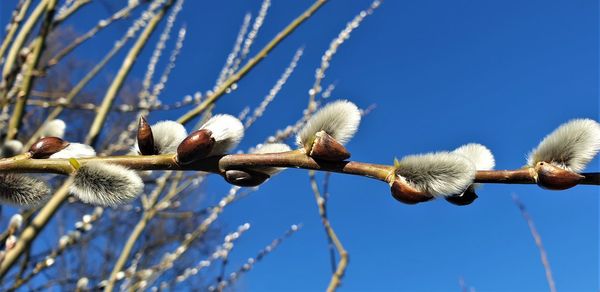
x: 538, y: 242
x: 336, y: 278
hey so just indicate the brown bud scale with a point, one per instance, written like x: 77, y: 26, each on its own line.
x: 145, y: 138
x: 555, y: 178
x: 196, y: 146
x: 407, y: 194
x: 327, y: 148
x: 47, y: 146
x: 245, y: 178
x: 466, y: 198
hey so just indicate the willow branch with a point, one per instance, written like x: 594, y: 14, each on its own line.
x: 117, y: 83
x: 538, y: 242
x: 140, y: 226
x: 92, y: 32
x: 290, y: 159
x: 22, y: 37
x: 69, y: 11
x: 338, y: 273
x: 222, y: 89
x: 28, y: 77
x: 33, y: 229
x: 14, y: 25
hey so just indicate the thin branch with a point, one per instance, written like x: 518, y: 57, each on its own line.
x: 336, y: 278
x: 538, y: 242
x: 290, y: 159
x: 222, y: 89
x: 119, y: 79
x: 28, y: 76
x: 19, y: 14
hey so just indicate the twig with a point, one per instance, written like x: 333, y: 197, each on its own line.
x: 538, y: 242
x: 92, y: 32
x: 251, y: 63
x: 111, y: 92
x: 253, y: 260
x: 290, y: 159
x: 33, y: 229
x: 131, y: 32
x: 19, y: 14
x: 28, y: 76
x: 336, y: 278
x: 258, y: 112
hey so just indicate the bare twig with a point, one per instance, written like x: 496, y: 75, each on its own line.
x: 251, y: 63
x: 538, y: 242
x: 339, y: 271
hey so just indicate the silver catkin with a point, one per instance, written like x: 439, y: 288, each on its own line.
x: 23, y: 191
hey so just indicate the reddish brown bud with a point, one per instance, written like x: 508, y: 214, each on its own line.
x: 466, y: 198
x: 145, y: 138
x: 195, y: 146
x: 555, y: 178
x: 245, y: 178
x: 407, y: 194
x: 326, y: 147
x: 47, y: 146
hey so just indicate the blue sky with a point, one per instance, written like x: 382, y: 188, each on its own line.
x: 442, y: 74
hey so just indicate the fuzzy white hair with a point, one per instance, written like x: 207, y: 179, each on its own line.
x: 271, y: 148
x: 340, y: 119
x: 480, y: 155
x: 167, y: 136
x: 11, y: 148
x: 23, y: 191
x: 571, y: 146
x: 438, y: 174
x: 227, y: 131
x: 54, y: 128
x: 75, y: 150
x: 16, y: 221
x: 106, y: 184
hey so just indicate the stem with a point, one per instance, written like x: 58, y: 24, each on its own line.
x: 128, y: 62
x: 22, y: 37
x: 138, y: 229
x: 338, y: 272
x: 14, y: 26
x: 28, y: 76
x: 32, y: 230
x: 222, y: 89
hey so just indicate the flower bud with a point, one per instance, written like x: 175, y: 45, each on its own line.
x: 47, y: 146
x: 407, y: 194
x: 196, y: 146
x: 466, y: 198
x: 145, y: 139
x: 555, y: 178
x: 245, y: 178
x: 325, y: 147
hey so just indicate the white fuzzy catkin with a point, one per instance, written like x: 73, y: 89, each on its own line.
x: 167, y: 136
x: 438, y: 174
x: 11, y: 148
x: 82, y: 283
x: 16, y: 221
x: 54, y: 128
x: 75, y: 150
x: 480, y: 155
x: 227, y: 131
x: 340, y: 119
x: 271, y: 148
x: 23, y: 191
x: 571, y: 146
x: 106, y: 184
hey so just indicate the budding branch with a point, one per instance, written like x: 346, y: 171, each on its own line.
x: 291, y: 159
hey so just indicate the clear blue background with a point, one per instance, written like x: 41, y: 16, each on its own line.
x: 442, y: 73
